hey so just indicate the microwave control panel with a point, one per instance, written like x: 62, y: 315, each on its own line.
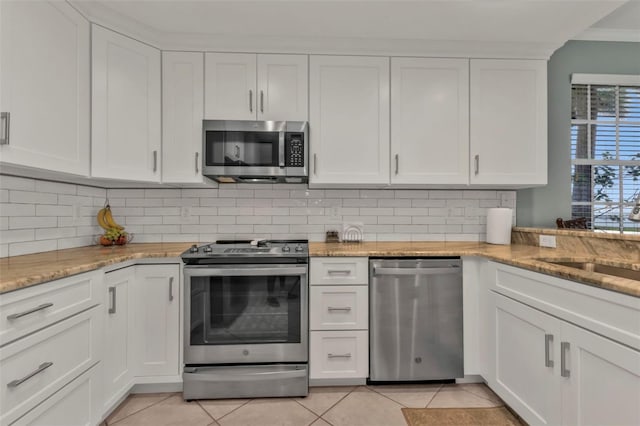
x: 294, y: 149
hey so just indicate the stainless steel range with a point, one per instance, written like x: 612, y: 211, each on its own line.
x: 246, y: 319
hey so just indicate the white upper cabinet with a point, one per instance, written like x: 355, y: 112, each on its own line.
x: 508, y: 122
x: 125, y: 108
x: 282, y: 87
x: 349, y: 120
x: 182, y: 114
x: 44, y: 86
x: 241, y: 86
x: 429, y: 121
x: 230, y: 86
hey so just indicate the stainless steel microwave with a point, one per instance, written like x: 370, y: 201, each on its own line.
x: 256, y: 151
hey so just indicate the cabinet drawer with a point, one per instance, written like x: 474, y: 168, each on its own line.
x: 35, y: 367
x: 73, y: 405
x: 339, y: 270
x: 339, y: 354
x: 339, y: 307
x: 25, y: 311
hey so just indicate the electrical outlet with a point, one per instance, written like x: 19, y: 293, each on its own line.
x: 548, y: 241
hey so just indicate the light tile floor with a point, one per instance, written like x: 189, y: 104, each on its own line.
x: 333, y: 406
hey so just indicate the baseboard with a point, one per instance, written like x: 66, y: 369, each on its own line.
x: 170, y: 386
x: 337, y: 382
x: 471, y: 378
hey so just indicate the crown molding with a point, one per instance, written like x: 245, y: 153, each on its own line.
x: 609, y: 34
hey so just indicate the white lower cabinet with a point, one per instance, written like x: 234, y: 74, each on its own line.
x: 156, y: 320
x: 38, y: 365
x: 339, y: 354
x: 117, y: 359
x: 552, y: 372
x: 73, y: 405
x: 338, y: 320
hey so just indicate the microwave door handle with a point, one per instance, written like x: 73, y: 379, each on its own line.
x: 281, y: 148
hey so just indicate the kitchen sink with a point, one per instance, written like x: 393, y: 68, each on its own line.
x: 595, y: 266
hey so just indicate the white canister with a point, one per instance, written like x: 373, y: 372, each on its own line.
x: 499, y: 225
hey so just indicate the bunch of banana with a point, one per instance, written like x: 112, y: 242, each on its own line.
x: 106, y: 220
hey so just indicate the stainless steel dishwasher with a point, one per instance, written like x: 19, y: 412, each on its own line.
x: 415, y: 313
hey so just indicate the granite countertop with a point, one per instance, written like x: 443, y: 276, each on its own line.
x: 23, y: 271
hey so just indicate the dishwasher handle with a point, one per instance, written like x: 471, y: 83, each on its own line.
x: 416, y: 271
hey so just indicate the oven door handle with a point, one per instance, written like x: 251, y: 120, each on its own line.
x: 208, y: 271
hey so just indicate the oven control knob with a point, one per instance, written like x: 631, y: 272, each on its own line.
x: 286, y: 248
x: 207, y: 249
x: 299, y: 248
x: 193, y: 249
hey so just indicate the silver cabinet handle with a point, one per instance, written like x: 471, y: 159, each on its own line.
x: 170, y: 289
x: 397, y: 163
x: 112, y: 295
x: 29, y: 311
x: 197, y: 155
x: 339, y: 272
x: 6, y: 117
x: 548, y: 340
x: 338, y: 355
x: 262, y: 101
x: 564, y: 348
x: 315, y: 164
x: 250, y: 100
x: 476, y: 160
x: 40, y: 369
x: 345, y: 309
x: 155, y: 161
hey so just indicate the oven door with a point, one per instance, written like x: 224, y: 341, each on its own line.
x: 236, y: 314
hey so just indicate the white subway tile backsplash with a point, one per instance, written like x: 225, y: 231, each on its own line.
x: 31, y: 197
x: 56, y: 187
x: 12, y: 209
x: 40, y: 216
x: 17, y: 183
x: 27, y: 247
x: 32, y: 222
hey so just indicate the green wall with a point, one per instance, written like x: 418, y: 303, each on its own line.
x: 539, y: 207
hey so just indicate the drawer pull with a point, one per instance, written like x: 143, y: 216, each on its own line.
x: 339, y: 272
x: 30, y: 311
x: 112, y: 306
x: 564, y: 348
x: 548, y: 340
x: 338, y: 356
x: 170, y: 289
x: 40, y: 369
x: 346, y: 309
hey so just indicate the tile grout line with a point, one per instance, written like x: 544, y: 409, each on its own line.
x: 434, y: 396
x: 235, y: 409
x: 136, y: 412
x: 205, y: 411
x: 485, y: 398
x: 336, y: 403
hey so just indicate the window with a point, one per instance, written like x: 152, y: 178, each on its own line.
x: 605, y: 150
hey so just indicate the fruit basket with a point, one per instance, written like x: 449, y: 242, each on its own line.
x: 114, y: 234
x: 106, y: 241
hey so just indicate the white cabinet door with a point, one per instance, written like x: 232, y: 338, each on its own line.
x: 118, y: 339
x: 44, y: 86
x: 182, y: 114
x: 156, y: 320
x: 282, y: 87
x: 125, y: 108
x: 508, y: 122
x: 603, y: 383
x: 73, y: 405
x: 429, y: 121
x: 525, y: 373
x: 230, y: 86
x: 338, y: 354
x: 349, y: 120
